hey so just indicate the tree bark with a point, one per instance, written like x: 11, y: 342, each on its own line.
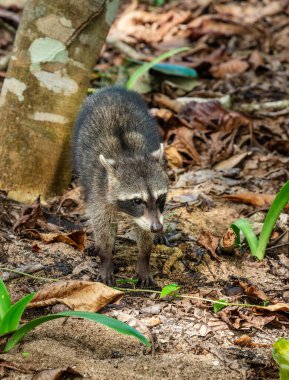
x: 54, y: 51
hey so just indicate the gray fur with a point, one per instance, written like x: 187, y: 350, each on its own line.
x: 117, y: 155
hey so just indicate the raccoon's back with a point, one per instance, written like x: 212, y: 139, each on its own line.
x: 113, y: 122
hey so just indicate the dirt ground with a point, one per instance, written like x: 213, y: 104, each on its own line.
x: 189, y: 339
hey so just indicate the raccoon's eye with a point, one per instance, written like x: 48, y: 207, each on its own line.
x: 137, y: 201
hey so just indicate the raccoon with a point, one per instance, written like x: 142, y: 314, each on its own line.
x: 118, y: 159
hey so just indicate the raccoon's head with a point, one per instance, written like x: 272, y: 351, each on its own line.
x: 138, y: 187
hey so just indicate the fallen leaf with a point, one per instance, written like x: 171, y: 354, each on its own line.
x: 210, y: 242
x: 77, y: 295
x: 216, y: 25
x: 246, y: 341
x: 56, y: 374
x: 29, y: 216
x: 174, y: 158
x: 183, y: 142
x: 209, y: 133
x: 259, y: 200
x: 228, y: 242
x: 256, y: 59
x: 250, y: 13
x: 76, y: 239
x: 72, y: 198
x: 231, y: 162
x: 277, y: 307
x: 162, y: 113
x: 152, y: 322
x: 253, y: 291
x: 234, y: 66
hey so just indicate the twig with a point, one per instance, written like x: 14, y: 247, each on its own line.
x: 28, y: 275
x: 277, y: 246
x: 126, y: 49
x: 277, y: 105
x: 192, y: 297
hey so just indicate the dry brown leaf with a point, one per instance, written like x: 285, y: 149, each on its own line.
x: 29, y: 215
x: 72, y: 198
x: 216, y: 25
x: 228, y: 242
x: 77, y: 295
x: 56, y: 374
x: 253, y: 291
x: 175, y: 160
x: 250, y: 13
x: 259, y: 200
x: 183, y: 142
x: 230, y: 162
x: 76, y: 239
x: 162, y: 113
x: 149, y: 26
x: 256, y: 59
x: 234, y: 66
x: 245, y: 341
x: 210, y: 242
x: 277, y: 307
x: 209, y: 133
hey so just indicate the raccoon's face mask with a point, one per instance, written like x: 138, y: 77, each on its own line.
x: 138, y: 187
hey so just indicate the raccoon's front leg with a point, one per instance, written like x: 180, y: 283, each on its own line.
x: 104, y: 231
x: 145, y: 244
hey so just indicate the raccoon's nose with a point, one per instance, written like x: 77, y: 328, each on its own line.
x: 156, y: 227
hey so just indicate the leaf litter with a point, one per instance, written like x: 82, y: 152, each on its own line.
x: 226, y: 140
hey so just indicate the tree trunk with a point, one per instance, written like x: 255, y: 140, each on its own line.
x: 54, y: 51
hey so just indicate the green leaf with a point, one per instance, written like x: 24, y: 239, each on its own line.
x: 177, y: 70
x: 12, y: 318
x: 147, y: 66
x: 244, y: 226
x: 281, y: 357
x: 5, y: 301
x: 219, y: 305
x: 103, y: 319
x: 276, y: 208
x: 169, y: 289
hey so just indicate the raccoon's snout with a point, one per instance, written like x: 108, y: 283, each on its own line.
x: 156, y: 227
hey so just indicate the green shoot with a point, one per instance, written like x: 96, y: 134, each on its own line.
x: 147, y: 66
x: 281, y: 357
x: 114, y: 324
x: 219, y: 305
x: 5, y: 301
x: 10, y: 317
x: 171, y: 289
x: 258, y: 247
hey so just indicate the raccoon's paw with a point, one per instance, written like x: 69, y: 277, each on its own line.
x: 106, y: 276
x: 145, y: 280
x: 162, y: 239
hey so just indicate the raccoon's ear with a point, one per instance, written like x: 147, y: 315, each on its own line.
x: 107, y: 163
x: 158, y: 154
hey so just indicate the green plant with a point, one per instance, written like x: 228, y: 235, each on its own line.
x: 258, y: 247
x: 10, y: 317
x: 281, y: 357
x: 147, y: 66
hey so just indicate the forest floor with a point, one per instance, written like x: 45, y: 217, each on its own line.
x: 227, y: 141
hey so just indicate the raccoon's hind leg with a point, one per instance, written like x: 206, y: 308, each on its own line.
x: 104, y: 231
x: 145, y: 243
